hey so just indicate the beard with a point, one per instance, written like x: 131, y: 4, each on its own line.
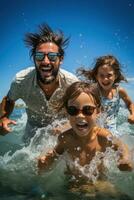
x: 47, y: 79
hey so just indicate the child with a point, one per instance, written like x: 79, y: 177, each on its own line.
x: 107, y: 74
x: 85, y: 138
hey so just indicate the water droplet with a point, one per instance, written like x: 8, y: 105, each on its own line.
x: 78, y: 148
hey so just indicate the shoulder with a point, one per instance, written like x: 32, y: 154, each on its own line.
x: 122, y: 91
x: 104, y: 137
x: 25, y: 73
x: 64, y: 141
x: 125, y: 97
x: 102, y: 132
x: 68, y: 76
x: 22, y: 83
x: 66, y: 135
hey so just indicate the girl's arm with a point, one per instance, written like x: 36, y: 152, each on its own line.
x: 130, y: 105
x: 45, y: 161
x: 124, y: 160
x: 124, y: 156
x: 61, y: 128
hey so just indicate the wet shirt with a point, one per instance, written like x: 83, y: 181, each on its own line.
x: 39, y: 110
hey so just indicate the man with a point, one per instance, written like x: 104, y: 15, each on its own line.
x: 42, y: 86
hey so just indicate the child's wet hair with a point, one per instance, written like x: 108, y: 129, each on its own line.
x: 75, y: 89
x: 108, y: 60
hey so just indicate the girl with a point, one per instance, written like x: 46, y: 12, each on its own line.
x: 107, y: 74
x: 85, y: 139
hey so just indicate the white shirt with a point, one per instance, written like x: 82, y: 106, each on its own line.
x: 39, y: 110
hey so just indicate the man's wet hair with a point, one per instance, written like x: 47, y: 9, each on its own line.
x: 46, y: 34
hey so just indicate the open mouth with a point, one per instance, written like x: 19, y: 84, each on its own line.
x: 46, y: 69
x: 105, y: 84
x: 82, y: 125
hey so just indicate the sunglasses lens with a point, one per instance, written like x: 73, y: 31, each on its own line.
x: 72, y: 110
x: 53, y: 56
x: 88, y: 110
x: 39, y: 56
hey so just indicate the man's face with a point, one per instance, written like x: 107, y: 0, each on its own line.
x: 47, y: 61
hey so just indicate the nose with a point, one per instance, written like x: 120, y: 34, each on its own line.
x: 80, y: 114
x: 46, y: 60
x: 106, y: 78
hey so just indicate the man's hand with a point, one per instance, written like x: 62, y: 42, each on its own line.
x: 4, y: 125
x: 131, y: 119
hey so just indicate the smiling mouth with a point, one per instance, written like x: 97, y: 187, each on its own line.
x: 106, y: 84
x: 82, y: 125
x: 46, y: 69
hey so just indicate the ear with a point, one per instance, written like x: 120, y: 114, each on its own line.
x: 98, y: 110
x: 61, y: 59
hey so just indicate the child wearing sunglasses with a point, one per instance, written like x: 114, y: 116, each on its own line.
x: 107, y: 75
x: 85, y: 139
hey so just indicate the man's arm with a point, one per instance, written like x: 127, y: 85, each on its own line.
x: 6, y: 109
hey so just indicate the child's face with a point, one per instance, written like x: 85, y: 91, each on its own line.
x: 83, y: 114
x: 106, y: 77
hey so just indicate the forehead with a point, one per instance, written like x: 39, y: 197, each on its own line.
x: 82, y: 99
x: 105, y: 69
x: 47, y: 47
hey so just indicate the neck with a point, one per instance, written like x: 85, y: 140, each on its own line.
x: 104, y: 92
x: 90, y: 137
x: 49, y: 89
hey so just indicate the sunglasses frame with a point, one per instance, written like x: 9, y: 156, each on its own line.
x: 86, y: 110
x: 49, y: 56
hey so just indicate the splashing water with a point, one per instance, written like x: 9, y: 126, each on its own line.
x: 18, y: 164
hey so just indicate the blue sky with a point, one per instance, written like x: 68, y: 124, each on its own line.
x: 96, y: 28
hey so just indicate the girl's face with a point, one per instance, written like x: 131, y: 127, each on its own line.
x: 106, y: 77
x: 82, y: 114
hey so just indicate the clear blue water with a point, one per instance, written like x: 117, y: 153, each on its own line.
x: 18, y: 166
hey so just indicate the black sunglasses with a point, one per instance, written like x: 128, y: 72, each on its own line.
x: 52, y: 56
x: 86, y: 110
